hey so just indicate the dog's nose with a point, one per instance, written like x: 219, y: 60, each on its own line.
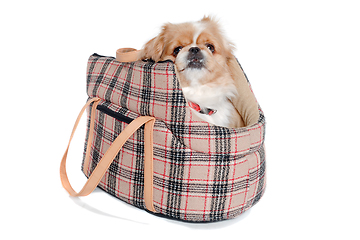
x: 195, y: 58
x: 194, y: 50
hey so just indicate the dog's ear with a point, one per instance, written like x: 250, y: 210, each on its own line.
x: 154, y: 48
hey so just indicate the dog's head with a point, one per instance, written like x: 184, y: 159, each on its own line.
x: 198, y: 49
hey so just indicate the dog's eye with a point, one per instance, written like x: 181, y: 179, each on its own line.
x: 210, y: 47
x: 177, y: 50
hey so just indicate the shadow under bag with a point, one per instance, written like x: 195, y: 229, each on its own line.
x: 145, y: 146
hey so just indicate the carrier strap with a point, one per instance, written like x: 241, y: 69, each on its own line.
x: 111, y: 153
x: 127, y: 55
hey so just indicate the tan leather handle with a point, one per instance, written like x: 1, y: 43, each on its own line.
x: 110, y: 154
x: 127, y: 55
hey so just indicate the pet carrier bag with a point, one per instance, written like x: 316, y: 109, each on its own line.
x: 144, y: 145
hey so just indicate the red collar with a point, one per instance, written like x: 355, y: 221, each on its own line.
x: 196, y: 107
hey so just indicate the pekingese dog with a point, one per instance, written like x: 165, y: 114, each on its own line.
x: 206, y: 68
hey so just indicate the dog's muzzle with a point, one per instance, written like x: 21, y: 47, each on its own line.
x: 195, y: 58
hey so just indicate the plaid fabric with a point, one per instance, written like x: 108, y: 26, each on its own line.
x: 201, y: 172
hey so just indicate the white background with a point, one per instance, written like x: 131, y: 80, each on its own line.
x: 302, y: 59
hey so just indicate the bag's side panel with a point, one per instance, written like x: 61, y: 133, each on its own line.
x: 145, y: 88
x: 257, y: 164
x: 257, y: 177
x: 195, y: 186
x: 124, y: 178
x: 86, y: 171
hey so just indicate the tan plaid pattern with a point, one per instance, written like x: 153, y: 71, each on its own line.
x: 201, y: 172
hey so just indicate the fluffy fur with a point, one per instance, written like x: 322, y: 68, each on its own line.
x: 205, y: 65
